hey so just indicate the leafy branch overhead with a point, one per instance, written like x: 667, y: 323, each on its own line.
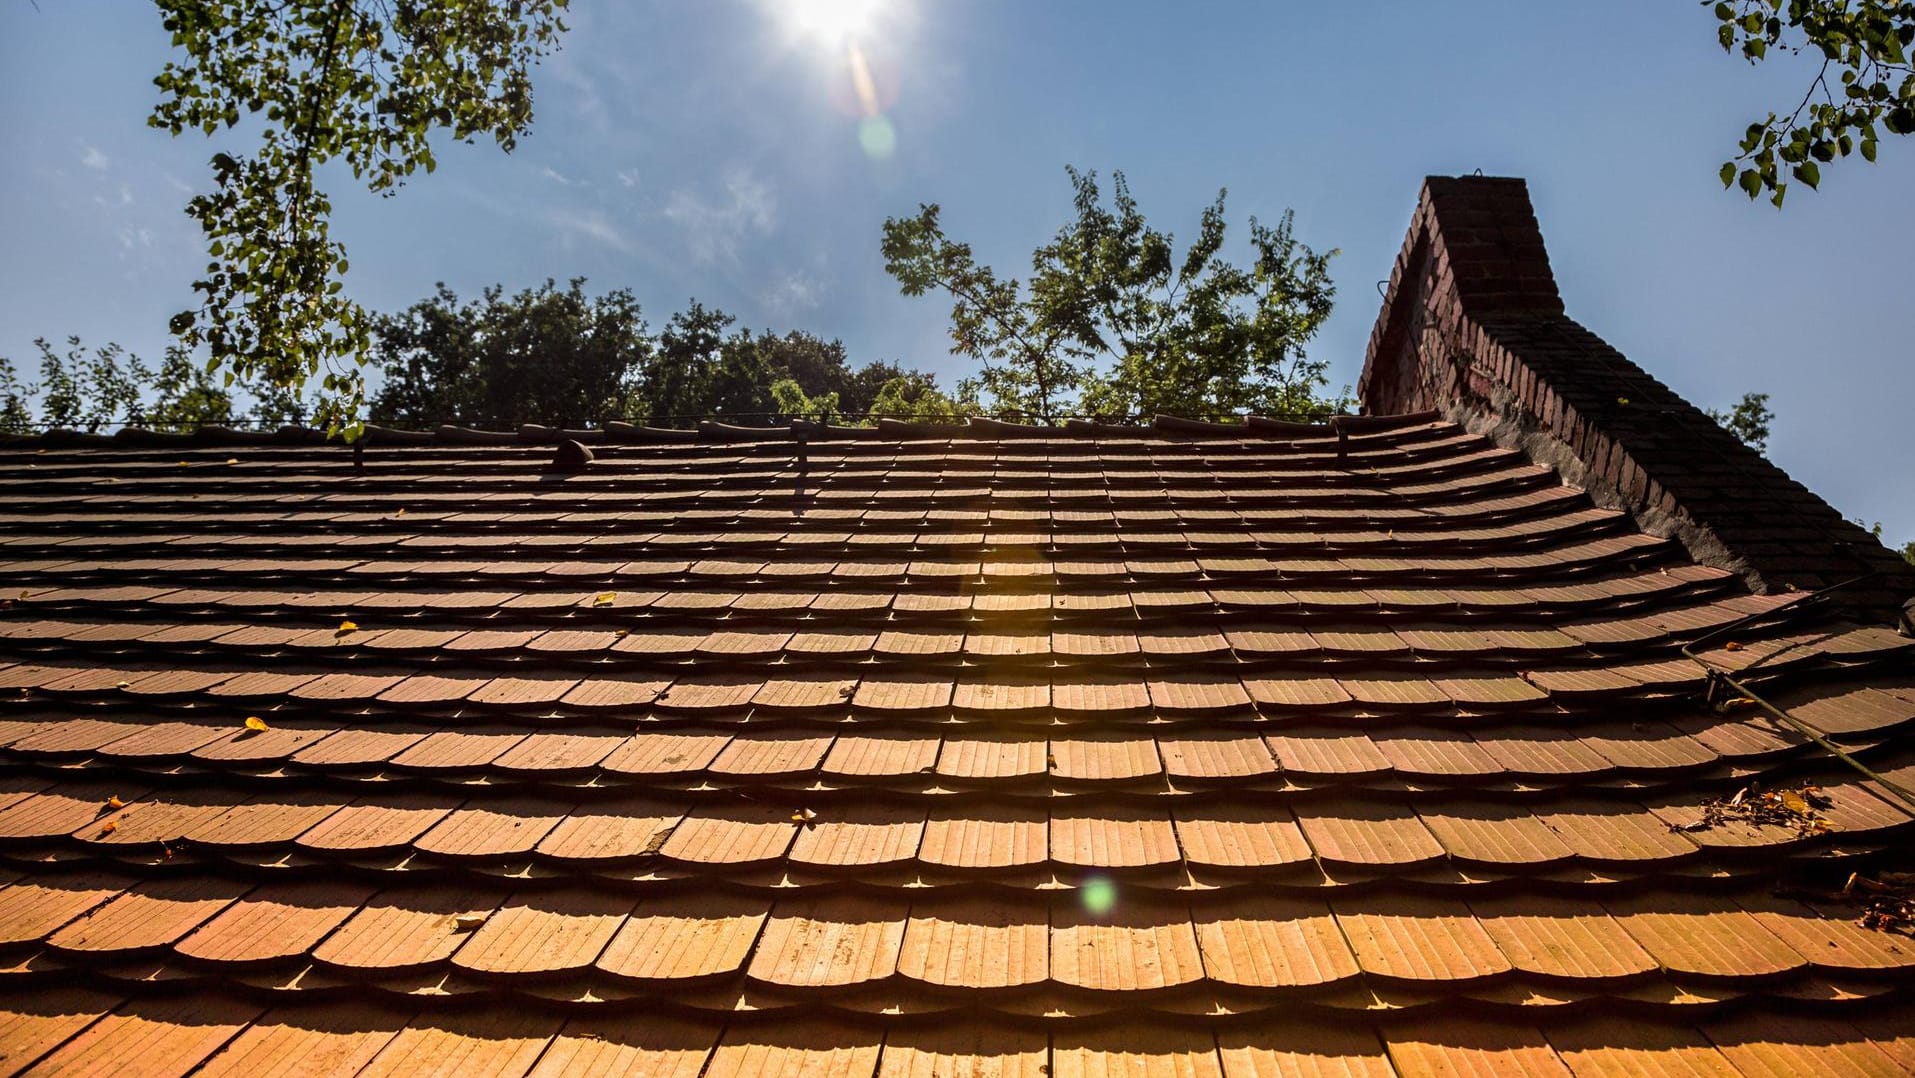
x: 1863, y: 84
x: 1113, y: 322
x: 363, y: 82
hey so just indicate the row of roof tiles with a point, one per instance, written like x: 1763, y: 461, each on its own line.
x: 77, y: 1031
x: 1136, y: 944
x: 1637, y: 829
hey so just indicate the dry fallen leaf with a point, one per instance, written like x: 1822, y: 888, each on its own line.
x: 605, y: 598
x: 109, y: 827
x: 804, y: 816
x: 467, y: 922
x: 115, y: 803
x: 121, y: 684
x: 622, y: 633
x: 348, y: 627
x: 1732, y: 646
x: 256, y: 724
x: 399, y: 512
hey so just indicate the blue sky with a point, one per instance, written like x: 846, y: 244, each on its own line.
x: 708, y: 149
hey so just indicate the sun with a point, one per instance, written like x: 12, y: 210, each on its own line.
x: 833, y: 21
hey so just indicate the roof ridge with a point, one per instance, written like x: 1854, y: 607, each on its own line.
x: 618, y: 432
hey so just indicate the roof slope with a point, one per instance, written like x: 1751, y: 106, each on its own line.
x: 1067, y: 756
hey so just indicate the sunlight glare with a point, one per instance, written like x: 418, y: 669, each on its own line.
x: 833, y: 21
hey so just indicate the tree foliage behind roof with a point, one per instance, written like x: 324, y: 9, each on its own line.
x: 364, y: 82
x: 1114, y: 322
x: 562, y: 357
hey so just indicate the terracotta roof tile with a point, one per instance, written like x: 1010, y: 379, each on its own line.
x: 494, y: 1043
x: 1615, y: 1048
x: 31, y: 1025
x: 813, y: 1049
x: 731, y: 835
x: 658, y: 754
x: 333, y: 1039
x: 276, y: 921
x: 784, y: 754
x: 148, y: 917
x: 976, y: 944
x: 965, y: 1051
x: 1495, y: 834
x: 1768, y: 1045
x: 1103, y: 759
x: 160, y: 1037
x: 1274, y: 943
x: 543, y: 932
x: 711, y: 693
x: 1134, y: 947
x: 1431, y: 1048
x: 842, y: 942
x: 1368, y: 834
x: 684, y: 938
x: 492, y: 829
x: 648, y: 1045
x: 402, y: 929
x: 1112, y: 839
x: 1198, y: 693
x: 1413, y: 939
x: 377, y: 823
x: 610, y: 831
x: 1325, y: 751
x: 985, y: 838
x: 34, y: 908
x: 1100, y: 695
x: 903, y: 693
x: 1304, y: 1050
x: 852, y: 755
x: 805, y: 693
x: 455, y: 750
x: 1703, y: 936
x: 869, y: 835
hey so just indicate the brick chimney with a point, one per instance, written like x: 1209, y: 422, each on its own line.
x: 1473, y: 327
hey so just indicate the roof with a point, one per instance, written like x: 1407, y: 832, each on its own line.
x: 1187, y: 753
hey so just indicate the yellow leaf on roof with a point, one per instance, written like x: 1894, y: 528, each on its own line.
x: 467, y: 922
x: 109, y: 827
x: 256, y: 724
x: 605, y: 598
x: 348, y: 626
x: 115, y: 803
x: 232, y: 460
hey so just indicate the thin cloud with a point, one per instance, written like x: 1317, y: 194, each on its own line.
x: 589, y: 225
x: 715, y: 226
x: 794, y: 293
x: 92, y: 158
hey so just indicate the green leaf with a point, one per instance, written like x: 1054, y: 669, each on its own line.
x: 1809, y: 172
x: 1751, y: 182
x: 1728, y: 174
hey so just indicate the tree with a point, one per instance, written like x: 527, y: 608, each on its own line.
x: 364, y: 82
x: 187, y: 397
x: 1862, y: 44
x: 1111, y: 311
x: 915, y: 397
x: 543, y: 355
x: 62, y: 400
x: 1749, y: 420
x: 16, y: 416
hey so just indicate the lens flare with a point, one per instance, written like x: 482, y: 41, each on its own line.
x: 877, y: 137
x: 1098, y: 894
